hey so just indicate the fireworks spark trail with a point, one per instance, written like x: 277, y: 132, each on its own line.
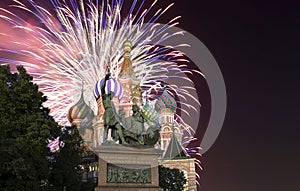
x: 76, y: 44
x: 82, y: 39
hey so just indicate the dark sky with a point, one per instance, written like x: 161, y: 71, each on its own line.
x: 256, y: 44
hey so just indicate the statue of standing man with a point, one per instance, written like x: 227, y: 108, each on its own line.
x: 110, y: 116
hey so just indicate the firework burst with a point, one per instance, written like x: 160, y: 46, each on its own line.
x: 81, y: 39
x: 76, y: 42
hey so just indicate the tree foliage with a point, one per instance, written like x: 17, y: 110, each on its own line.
x: 66, y: 173
x: 171, y: 179
x: 25, y: 126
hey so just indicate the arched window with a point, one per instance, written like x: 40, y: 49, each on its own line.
x: 166, y: 129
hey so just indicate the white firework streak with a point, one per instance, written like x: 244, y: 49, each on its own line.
x: 78, y: 44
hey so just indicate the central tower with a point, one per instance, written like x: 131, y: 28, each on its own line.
x: 132, y: 93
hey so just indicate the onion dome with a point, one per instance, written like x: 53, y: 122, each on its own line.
x: 112, y: 85
x: 165, y: 101
x: 127, y: 46
x: 81, y: 111
x: 150, y: 113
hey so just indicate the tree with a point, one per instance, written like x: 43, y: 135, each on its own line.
x: 171, y: 179
x: 25, y: 125
x: 66, y: 173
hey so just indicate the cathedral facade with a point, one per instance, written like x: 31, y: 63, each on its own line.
x: 127, y: 92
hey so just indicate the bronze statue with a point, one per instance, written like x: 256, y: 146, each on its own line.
x: 110, y: 116
x: 130, y: 130
x: 134, y: 129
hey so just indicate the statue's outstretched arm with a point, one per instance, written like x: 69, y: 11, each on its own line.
x: 104, y: 84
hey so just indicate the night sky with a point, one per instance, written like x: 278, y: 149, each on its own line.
x: 256, y: 44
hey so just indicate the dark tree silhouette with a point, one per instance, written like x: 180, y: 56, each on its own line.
x: 171, y: 179
x: 25, y: 126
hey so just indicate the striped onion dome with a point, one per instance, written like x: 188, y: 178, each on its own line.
x: 150, y: 113
x: 111, y: 85
x: 80, y: 111
x: 165, y: 101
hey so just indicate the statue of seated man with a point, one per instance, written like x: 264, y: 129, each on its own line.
x: 134, y: 126
x: 139, y: 119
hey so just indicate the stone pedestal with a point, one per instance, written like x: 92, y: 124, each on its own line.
x: 124, y: 168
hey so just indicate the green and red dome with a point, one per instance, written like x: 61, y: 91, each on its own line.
x: 165, y: 101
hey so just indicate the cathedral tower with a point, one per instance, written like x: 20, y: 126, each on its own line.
x: 82, y: 116
x: 166, y: 107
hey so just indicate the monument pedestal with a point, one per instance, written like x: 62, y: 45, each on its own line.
x: 125, y: 168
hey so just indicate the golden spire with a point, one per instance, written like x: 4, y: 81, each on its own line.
x: 126, y: 69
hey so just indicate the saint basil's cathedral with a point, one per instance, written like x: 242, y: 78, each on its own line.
x: 127, y: 92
